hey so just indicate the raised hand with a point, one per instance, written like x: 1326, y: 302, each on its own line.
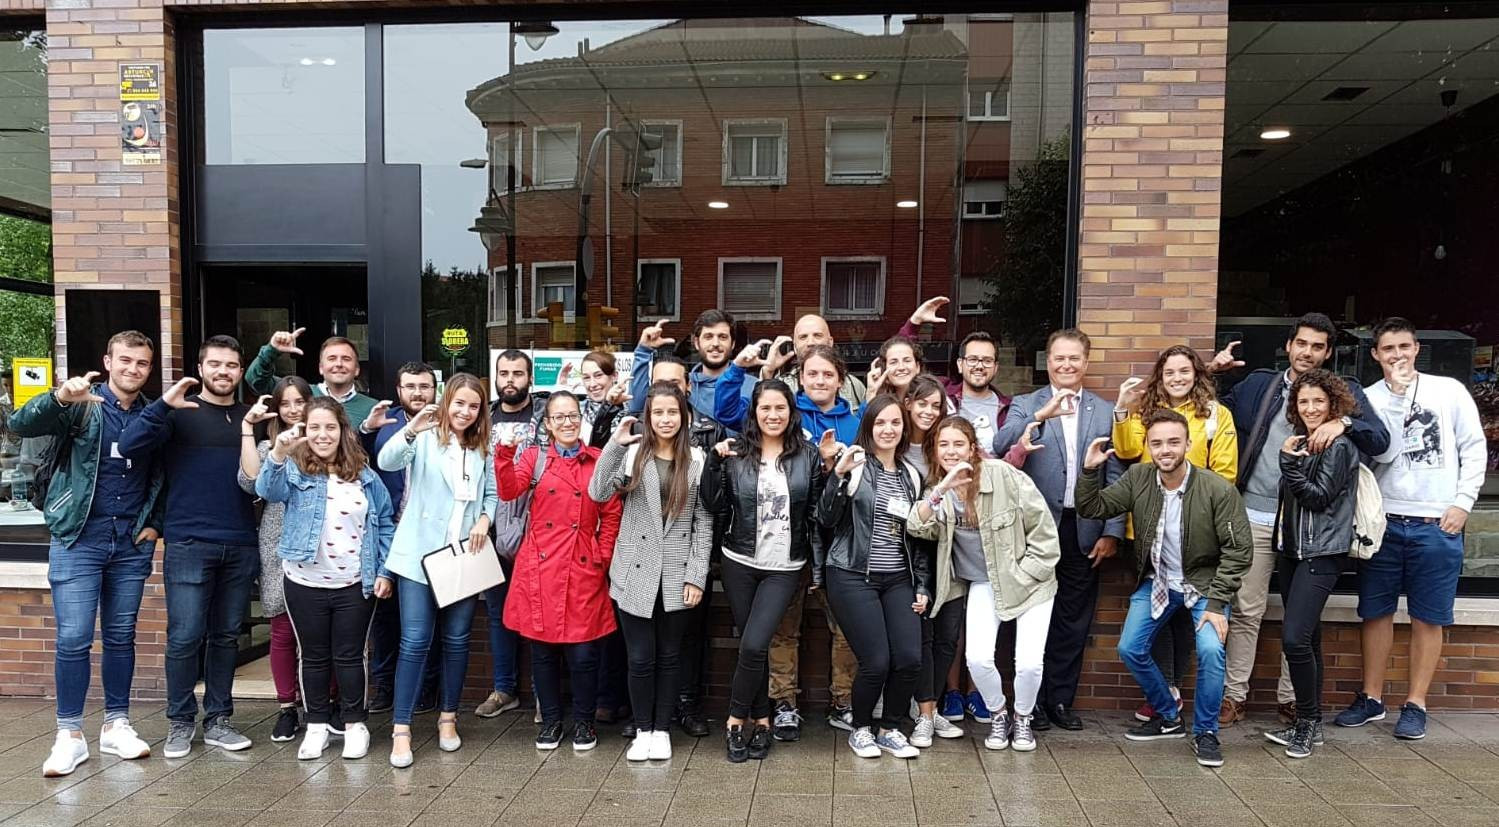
x: 1097, y: 455
x: 260, y: 411
x: 749, y: 357
x: 79, y: 389
x: 623, y: 434
x: 619, y: 393
x: 828, y: 447
x: 927, y: 312
x: 286, y: 342
x: 176, y: 395
x: 1027, y: 438
x: 1295, y: 445
x: 1224, y: 359
x: 777, y: 360
x: 876, y: 379
x: 378, y: 418
x: 725, y: 449
x: 1131, y: 391
x: 425, y: 420
x: 851, y: 459
x: 1402, y: 375
x: 509, y: 435
x: 287, y: 441
x: 655, y: 337
x: 1060, y: 404
x: 961, y: 474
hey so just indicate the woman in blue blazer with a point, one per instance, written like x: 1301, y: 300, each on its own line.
x: 450, y: 496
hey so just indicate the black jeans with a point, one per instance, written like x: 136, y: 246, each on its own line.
x: 758, y: 598
x: 885, y: 635
x: 939, y: 645
x: 1175, y: 648
x: 1071, y: 616
x: 331, y: 626
x: 695, y: 645
x: 653, y: 646
x: 614, y: 689
x: 546, y: 676
x: 1304, y: 587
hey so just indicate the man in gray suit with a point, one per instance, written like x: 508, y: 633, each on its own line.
x: 1059, y: 421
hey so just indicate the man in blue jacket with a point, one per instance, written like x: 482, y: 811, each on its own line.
x: 712, y: 336
x: 1258, y: 405
x: 98, y: 510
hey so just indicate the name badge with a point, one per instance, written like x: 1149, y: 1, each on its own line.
x: 1413, y: 436
x: 898, y: 508
x: 114, y: 453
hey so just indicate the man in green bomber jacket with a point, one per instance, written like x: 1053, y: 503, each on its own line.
x: 338, y: 364
x: 1192, y: 546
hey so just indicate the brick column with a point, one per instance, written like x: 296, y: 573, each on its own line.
x: 1152, y: 166
x: 112, y: 226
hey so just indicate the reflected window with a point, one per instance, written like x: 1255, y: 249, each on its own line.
x: 984, y: 199
x: 553, y: 281
x: 989, y: 100
x: 25, y: 185
x: 853, y: 286
x: 973, y: 295
x: 556, y: 156
x: 659, y: 286
x: 750, y: 288
x: 499, y: 308
x: 858, y: 150
x: 283, y: 96
x: 668, y: 169
x: 755, y: 152
x: 500, y: 161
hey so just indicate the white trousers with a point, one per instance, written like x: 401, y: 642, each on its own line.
x: 1030, y: 648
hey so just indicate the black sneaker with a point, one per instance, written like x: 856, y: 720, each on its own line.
x: 787, y: 725
x: 1209, y: 754
x: 425, y: 703
x: 1283, y: 735
x: 381, y: 701
x: 841, y: 716
x: 737, y: 749
x: 627, y: 731
x: 690, y: 718
x: 585, y: 737
x: 759, y: 743
x: 549, y: 736
x: 335, y: 719
x: 1157, y: 728
x: 287, y: 724
x: 1300, y: 743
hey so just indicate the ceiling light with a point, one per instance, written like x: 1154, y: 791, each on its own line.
x: 328, y: 61
x: 718, y: 205
x: 306, y: 61
x: 535, y: 32
x: 907, y: 204
x: 1275, y: 133
x: 838, y: 76
x: 835, y: 76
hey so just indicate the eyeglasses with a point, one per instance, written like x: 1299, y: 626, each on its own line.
x: 978, y: 361
x: 416, y: 387
x: 565, y: 419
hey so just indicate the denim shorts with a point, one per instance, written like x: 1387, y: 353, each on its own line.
x: 1418, y: 559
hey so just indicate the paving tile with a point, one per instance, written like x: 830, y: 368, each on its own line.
x: 957, y: 808
x: 126, y: 816
x: 1040, y: 814
x: 317, y: 798
x: 1254, y: 791
x: 1030, y: 788
x: 1355, y: 791
x: 1232, y: 812
x: 1450, y: 816
x: 211, y: 817
x: 53, y: 815
x: 393, y: 798
x: 163, y: 794
x: 460, y: 800
x: 97, y: 791
x: 476, y: 819
x: 710, y: 803
x: 31, y: 788
x: 873, y: 810
x: 1373, y: 815
x: 791, y: 809
x: 628, y: 807
x: 1102, y: 813
x: 1103, y: 788
x: 773, y: 782
x: 1300, y: 814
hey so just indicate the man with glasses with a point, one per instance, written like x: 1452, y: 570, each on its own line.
x: 974, y: 394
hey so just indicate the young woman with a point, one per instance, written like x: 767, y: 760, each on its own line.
x: 925, y: 403
x: 1317, y: 493
x: 1179, y: 381
x: 280, y: 410
x: 602, y: 394
x: 559, y: 590
x: 336, y: 532
x: 450, y: 498
x: 766, y: 487
x: 898, y: 366
x: 660, y: 563
x: 996, y: 540
x: 877, y: 584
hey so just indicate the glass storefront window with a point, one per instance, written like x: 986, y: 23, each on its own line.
x: 284, y: 96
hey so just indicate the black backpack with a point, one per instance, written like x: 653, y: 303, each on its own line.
x: 56, y: 452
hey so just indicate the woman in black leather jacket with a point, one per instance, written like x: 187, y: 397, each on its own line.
x: 1313, y: 537
x: 765, y: 486
x: 878, y: 582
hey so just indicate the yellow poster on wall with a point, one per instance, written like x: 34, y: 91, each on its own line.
x: 31, y: 377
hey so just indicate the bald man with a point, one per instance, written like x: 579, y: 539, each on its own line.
x: 810, y: 330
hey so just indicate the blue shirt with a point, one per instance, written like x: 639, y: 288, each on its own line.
x: 703, y: 388
x: 122, y: 485
x: 395, y: 481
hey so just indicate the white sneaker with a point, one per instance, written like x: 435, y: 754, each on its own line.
x: 943, y: 728
x: 313, y: 743
x: 120, y: 738
x: 861, y: 741
x: 640, y: 747
x: 921, y: 734
x: 660, y: 748
x: 356, y: 740
x: 67, y: 753
x: 999, y: 731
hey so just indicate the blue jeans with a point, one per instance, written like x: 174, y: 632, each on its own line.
x: 1135, y: 642
x: 385, y: 651
x: 89, y: 583
x: 503, y: 643
x: 208, y: 595
x: 420, y: 619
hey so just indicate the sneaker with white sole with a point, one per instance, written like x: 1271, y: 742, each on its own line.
x: 120, y: 738
x: 1022, y: 738
x: 640, y: 748
x: 356, y: 741
x: 67, y: 753
x: 841, y: 716
x: 999, y: 731
x: 944, y: 728
x: 179, y: 739
x: 223, y: 735
x: 894, y: 742
x: 313, y: 743
x: 923, y: 732
x: 862, y: 742
x: 660, y: 745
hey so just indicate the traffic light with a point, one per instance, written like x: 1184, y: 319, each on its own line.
x: 640, y: 164
x: 601, y: 326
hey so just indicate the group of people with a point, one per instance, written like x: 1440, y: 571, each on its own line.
x: 923, y: 514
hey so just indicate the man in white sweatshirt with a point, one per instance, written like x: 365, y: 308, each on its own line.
x: 1429, y: 477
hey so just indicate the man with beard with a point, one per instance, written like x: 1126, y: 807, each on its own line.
x: 416, y: 388
x: 98, y: 510
x: 1192, y: 541
x: 338, y: 364
x: 1258, y: 405
x: 712, y: 336
x: 212, y: 555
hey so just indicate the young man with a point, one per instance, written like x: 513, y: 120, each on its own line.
x: 974, y: 393
x: 99, y: 512
x: 1258, y: 405
x: 712, y: 336
x: 1192, y: 546
x: 1430, y: 477
x: 338, y: 364
x: 212, y: 556
x: 1070, y: 418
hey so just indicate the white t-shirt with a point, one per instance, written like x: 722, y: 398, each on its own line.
x: 336, y: 563
x: 983, y: 414
x: 1437, y: 454
x: 773, y: 524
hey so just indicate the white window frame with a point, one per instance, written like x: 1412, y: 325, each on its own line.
x: 568, y: 313
x: 964, y: 310
x: 538, y: 158
x: 982, y: 216
x: 496, y: 278
x: 780, y: 273
x: 871, y: 178
x: 668, y: 182
x: 728, y: 153
x: 969, y: 186
x: 496, y: 163
x: 677, y: 263
x: 878, y: 311
x: 989, y: 104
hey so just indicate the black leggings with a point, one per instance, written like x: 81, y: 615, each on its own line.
x: 653, y: 646
x: 758, y: 598
x: 1175, y: 648
x: 331, y: 626
x: 939, y: 646
x: 885, y: 635
x: 1304, y: 587
x: 582, y: 669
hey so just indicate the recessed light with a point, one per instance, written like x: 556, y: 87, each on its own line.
x: 718, y: 205
x: 1275, y: 133
x: 907, y: 204
x: 328, y: 61
x: 306, y: 61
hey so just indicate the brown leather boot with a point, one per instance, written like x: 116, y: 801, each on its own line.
x: 1231, y: 712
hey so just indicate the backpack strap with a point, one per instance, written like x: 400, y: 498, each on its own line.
x: 540, y: 467
x: 1211, y: 427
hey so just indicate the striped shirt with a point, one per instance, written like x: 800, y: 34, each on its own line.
x: 886, y: 551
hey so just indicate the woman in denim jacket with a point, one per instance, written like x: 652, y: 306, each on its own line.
x: 335, y: 535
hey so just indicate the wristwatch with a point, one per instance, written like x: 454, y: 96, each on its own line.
x: 1347, y: 421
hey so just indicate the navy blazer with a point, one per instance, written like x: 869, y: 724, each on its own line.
x: 1247, y: 401
x: 1047, y: 468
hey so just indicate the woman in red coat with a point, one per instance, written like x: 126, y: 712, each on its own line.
x: 559, y: 589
